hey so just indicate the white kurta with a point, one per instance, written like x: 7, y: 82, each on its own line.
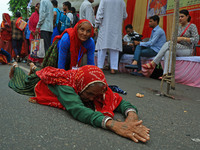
x: 87, y: 12
x: 109, y: 19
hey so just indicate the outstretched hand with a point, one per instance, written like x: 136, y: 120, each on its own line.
x: 131, y: 128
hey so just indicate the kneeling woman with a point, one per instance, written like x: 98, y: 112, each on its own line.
x: 68, y: 49
x: 84, y: 93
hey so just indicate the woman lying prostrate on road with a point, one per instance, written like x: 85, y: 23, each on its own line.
x: 187, y: 37
x: 85, y: 94
x: 68, y: 49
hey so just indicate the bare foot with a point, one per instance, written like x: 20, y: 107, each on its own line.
x: 112, y: 71
x: 12, y: 70
x: 32, y: 100
x: 134, y: 62
x: 32, y: 68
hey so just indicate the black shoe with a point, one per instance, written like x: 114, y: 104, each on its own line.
x: 137, y: 74
x: 131, y: 66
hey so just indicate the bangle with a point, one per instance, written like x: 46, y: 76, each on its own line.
x: 185, y: 39
x: 128, y: 110
x: 104, y: 121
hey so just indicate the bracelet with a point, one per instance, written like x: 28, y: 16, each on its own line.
x: 104, y: 121
x: 128, y: 110
x: 185, y: 39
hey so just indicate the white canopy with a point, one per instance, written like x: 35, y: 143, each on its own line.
x: 75, y: 3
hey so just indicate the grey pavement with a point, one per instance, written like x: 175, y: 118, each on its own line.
x: 174, y: 124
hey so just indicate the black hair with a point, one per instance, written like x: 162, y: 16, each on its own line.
x: 129, y: 26
x: 68, y: 4
x: 73, y: 10
x: 186, y: 13
x: 55, y: 3
x: 155, y: 18
x: 17, y: 14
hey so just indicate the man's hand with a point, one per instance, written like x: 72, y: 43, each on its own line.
x: 133, y: 130
x: 136, y: 42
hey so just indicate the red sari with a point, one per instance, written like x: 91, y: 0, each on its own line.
x: 6, y: 33
x: 79, y: 80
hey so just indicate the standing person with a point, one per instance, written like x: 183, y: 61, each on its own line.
x: 33, y: 21
x: 87, y: 12
x: 75, y: 16
x: 6, y: 33
x: 45, y: 23
x: 187, y: 37
x: 17, y: 37
x: 56, y: 16
x: 149, y: 48
x: 67, y: 10
x: 109, y: 18
x: 27, y: 33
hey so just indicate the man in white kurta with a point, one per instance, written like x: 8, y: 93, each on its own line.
x: 109, y: 19
x: 86, y: 11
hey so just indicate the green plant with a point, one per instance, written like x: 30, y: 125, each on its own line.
x: 21, y: 6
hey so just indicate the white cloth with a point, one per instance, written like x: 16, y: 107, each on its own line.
x: 87, y: 12
x: 128, y: 39
x: 109, y: 19
x: 114, y: 56
x: 70, y: 15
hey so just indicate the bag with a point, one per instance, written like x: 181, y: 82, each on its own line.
x: 37, y: 48
x: 75, y: 20
x: 20, y: 24
x: 158, y: 72
x: 64, y: 22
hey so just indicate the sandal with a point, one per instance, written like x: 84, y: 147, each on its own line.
x: 148, y: 66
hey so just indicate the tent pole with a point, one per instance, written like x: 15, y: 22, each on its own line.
x: 170, y: 76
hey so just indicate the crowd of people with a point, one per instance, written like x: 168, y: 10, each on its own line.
x: 62, y: 81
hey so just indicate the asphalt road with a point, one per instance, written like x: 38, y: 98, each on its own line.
x: 174, y: 124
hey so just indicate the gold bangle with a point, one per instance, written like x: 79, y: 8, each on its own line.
x: 185, y: 39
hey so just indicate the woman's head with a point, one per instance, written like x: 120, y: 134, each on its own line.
x: 37, y: 7
x: 6, y: 19
x: 84, y: 30
x: 95, y: 91
x: 184, y: 16
x: 90, y: 82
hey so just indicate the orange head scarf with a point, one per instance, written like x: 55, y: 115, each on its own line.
x: 80, y: 79
x: 75, y: 43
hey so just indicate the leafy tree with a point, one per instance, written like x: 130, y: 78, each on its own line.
x: 21, y: 6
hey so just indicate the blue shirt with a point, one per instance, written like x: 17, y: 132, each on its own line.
x: 156, y: 40
x: 64, y: 47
